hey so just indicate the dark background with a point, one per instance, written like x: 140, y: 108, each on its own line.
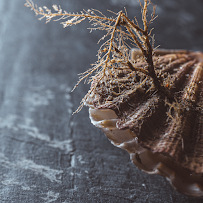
x: 48, y: 155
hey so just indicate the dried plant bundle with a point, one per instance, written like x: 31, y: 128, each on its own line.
x: 114, y: 53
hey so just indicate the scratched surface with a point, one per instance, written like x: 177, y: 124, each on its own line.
x: 47, y: 155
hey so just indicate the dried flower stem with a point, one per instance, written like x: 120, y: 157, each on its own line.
x: 114, y: 52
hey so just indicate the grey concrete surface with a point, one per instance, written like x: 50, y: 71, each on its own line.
x: 48, y: 155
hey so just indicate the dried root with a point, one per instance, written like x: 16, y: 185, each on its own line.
x: 113, y: 55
